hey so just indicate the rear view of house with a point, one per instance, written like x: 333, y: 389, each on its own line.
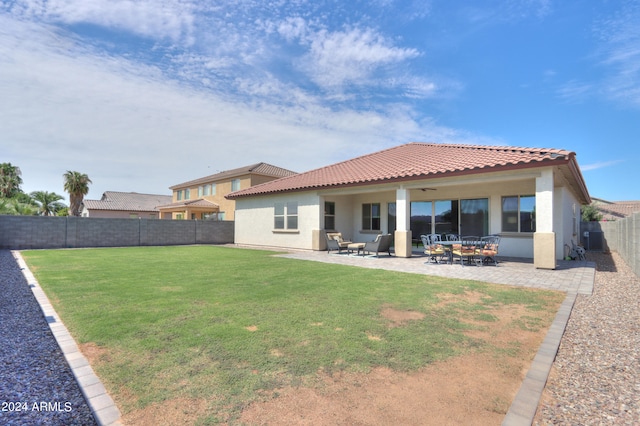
x: 530, y: 196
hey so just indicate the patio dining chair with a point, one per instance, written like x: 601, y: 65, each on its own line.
x: 432, y: 248
x: 452, y: 237
x: 488, y: 249
x: 466, y: 250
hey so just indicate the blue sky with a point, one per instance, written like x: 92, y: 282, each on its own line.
x: 144, y: 94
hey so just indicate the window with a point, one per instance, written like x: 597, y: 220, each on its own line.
x: 474, y: 217
x: 179, y: 194
x: 465, y: 217
x: 206, y: 190
x: 187, y: 194
x: 420, y: 219
x: 213, y: 189
x: 371, y: 217
x: 235, y: 185
x: 329, y: 215
x: 285, y: 215
x: 446, y: 217
x: 391, y: 217
x: 200, y: 191
x: 519, y: 213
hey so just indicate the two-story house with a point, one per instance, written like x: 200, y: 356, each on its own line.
x: 204, y: 198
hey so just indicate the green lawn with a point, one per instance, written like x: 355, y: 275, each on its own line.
x: 233, y: 325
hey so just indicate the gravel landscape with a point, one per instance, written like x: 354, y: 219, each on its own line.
x: 37, y: 386
x: 595, y: 378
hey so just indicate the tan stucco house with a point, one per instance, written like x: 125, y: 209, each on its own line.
x: 204, y: 198
x: 119, y: 205
x: 531, y: 197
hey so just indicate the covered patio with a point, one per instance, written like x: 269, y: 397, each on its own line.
x: 200, y: 209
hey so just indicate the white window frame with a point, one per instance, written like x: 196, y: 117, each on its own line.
x: 285, y: 216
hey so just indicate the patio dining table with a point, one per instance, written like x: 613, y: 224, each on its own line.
x: 448, y: 247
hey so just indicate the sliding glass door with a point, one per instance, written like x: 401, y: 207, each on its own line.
x: 463, y: 217
x: 474, y: 217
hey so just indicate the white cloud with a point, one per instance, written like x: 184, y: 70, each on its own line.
x: 351, y: 56
x: 67, y: 107
x: 157, y: 19
x: 292, y: 28
x: 575, y: 91
x: 600, y: 165
x: 620, y: 53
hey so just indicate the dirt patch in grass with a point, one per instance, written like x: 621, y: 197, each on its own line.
x: 399, y: 317
x: 179, y: 411
x: 94, y: 353
x: 470, y: 389
x: 473, y: 388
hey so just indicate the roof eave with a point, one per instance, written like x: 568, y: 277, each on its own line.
x: 452, y: 174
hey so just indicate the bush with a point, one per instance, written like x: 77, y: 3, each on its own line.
x: 591, y: 214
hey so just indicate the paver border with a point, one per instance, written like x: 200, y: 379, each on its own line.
x: 525, y: 404
x: 102, y: 406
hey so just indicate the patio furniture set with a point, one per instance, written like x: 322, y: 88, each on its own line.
x: 381, y: 244
x: 470, y: 249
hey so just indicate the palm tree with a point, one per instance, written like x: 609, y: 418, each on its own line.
x: 10, y: 180
x: 77, y: 185
x: 23, y: 209
x: 47, y: 201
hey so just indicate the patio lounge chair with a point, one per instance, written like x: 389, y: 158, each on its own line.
x: 381, y: 244
x: 432, y: 248
x: 336, y: 242
x: 466, y: 250
x: 488, y: 250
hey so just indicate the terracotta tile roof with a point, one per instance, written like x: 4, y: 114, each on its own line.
x: 127, y: 201
x: 199, y: 202
x: 412, y: 161
x: 262, y: 169
x: 612, y: 210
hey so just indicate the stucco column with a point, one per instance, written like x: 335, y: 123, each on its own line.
x: 318, y: 239
x: 544, y: 239
x: 402, y: 236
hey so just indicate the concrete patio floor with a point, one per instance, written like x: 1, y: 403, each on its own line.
x: 569, y: 276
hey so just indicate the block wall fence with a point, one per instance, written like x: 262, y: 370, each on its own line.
x: 622, y: 236
x: 39, y: 232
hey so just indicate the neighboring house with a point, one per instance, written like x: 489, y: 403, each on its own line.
x: 613, y: 210
x: 530, y: 196
x: 204, y: 198
x: 125, y: 205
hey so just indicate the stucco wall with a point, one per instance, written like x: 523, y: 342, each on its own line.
x: 256, y: 216
x: 35, y: 232
x: 254, y: 223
